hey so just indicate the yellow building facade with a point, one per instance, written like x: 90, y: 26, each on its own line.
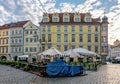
x: 73, y: 30
x: 4, y: 42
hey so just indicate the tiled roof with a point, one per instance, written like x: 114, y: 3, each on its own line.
x: 15, y: 24
x: 82, y: 15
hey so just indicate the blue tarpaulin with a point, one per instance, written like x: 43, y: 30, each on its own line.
x: 61, y: 68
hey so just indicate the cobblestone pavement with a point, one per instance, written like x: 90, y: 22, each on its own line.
x: 107, y: 74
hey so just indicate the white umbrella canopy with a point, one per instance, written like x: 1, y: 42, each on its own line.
x: 72, y: 53
x: 52, y: 52
x: 84, y: 51
x: 117, y: 58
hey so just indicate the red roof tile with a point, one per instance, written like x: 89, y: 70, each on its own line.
x: 82, y: 15
x: 15, y: 24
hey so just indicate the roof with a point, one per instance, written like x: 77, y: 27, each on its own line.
x: 14, y: 24
x: 82, y: 15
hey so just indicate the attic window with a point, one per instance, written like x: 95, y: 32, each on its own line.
x: 55, y: 19
x: 45, y: 19
x: 66, y: 19
x: 88, y: 19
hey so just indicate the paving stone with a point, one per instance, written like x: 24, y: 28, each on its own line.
x: 107, y: 74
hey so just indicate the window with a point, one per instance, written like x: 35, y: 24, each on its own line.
x: 65, y: 28
x: 88, y: 19
x: 77, y: 19
x: 3, y: 33
x: 31, y: 49
x: 89, y: 38
x: 6, y: 50
x: 96, y: 28
x: 6, y: 32
x: 73, y: 28
x: 80, y: 46
x: 16, y: 32
x: 96, y: 49
x: 43, y: 47
x: 31, y: 39
x: 48, y: 28
x: 26, y: 31
x: 43, y: 37
x: 55, y: 19
x: 104, y: 48
x: 35, y: 49
x: 66, y: 20
x: 16, y: 40
x: 20, y: 41
x: 12, y: 40
x: 31, y: 32
x: 73, y: 37
x: 73, y: 46
x: 58, y: 38
x: 58, y: 47
x: 19, y: 49
x: 35, y: 39
x: 15, y: 49
x: 12, y: 32
x: 49, y: 37
x: 81, y: 29
x: 89, y: 47
x: 96, y: 38
x: 80, y: 38
x: 49, y: 46
x: 26, y: 39
x: 26, y: 49
x: 45, y: 19
x: 104, y: 28
x: 20, y: 32
x: 104, y: 38
x: 6, y: 41
x: 58, y: 28
x: 35, y: 32
x: 65, y: 47
x: 65, y: 38
x: 89, y: 28
x: 43, y: 29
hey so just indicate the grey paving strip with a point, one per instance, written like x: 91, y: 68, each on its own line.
x: 107, y: 74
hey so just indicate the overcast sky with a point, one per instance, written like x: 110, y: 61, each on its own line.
x: 17, y: 10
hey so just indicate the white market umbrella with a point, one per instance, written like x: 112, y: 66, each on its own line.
x: 84, y: 51
x: 72, y: 53
x: 51, y: 52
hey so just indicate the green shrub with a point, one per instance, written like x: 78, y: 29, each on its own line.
x: 17, y: 65
x: 26, y: 68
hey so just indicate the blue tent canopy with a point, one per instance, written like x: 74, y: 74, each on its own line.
x: 61, y: 68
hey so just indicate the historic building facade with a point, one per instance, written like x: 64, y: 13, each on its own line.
x: 15, y: 39
x: 31, y: 39
x: 4, y: 42
x: 74, y: 30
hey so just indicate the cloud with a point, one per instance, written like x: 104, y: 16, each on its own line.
x: 16, y: 10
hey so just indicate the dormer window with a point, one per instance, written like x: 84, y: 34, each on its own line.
x: 66, y: 20
x: 66, y: 17
x: 45, y: 19
x: 55, y: 19
x: 77, y: 19
x: 88, y: 19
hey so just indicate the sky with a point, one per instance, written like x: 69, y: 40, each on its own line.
x: 18, y: 10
